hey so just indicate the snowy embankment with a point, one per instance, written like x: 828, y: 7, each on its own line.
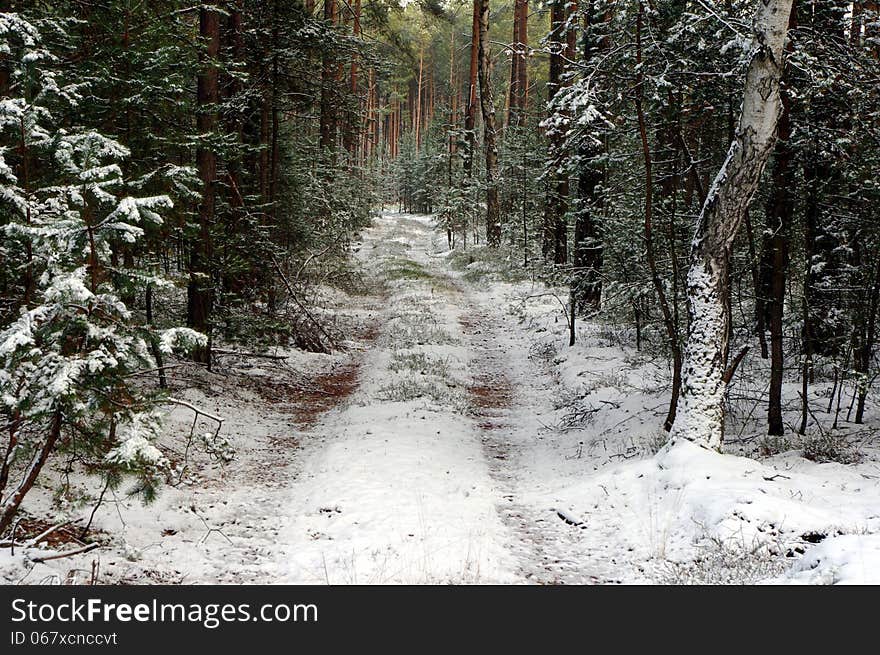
x: 587, y: 447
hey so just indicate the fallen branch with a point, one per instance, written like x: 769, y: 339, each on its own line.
x: 247, y: 354
x: 47, y: 532
x: 201, y: 412
x: 210, y: 529
x: 198, y: 412
x: 305, y: 311
x: 69, y: 553
x: 11, y: 543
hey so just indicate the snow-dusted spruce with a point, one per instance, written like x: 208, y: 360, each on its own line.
x: 67, y: 359
x: 701, y: 415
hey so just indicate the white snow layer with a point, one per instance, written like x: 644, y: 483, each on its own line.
x: 560, y: 481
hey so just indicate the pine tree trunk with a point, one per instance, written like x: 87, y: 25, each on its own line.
x: 514, y: 66
x: 417, y: 114
x: 487, y: 105
x: 199, y: 296
x: 518, y: 62
x: 234, y: 124
x: 588, y: 251
x: 553, y: 241
x: 701, y: 416
x: 779, y: 214
x: 352, y: 126
x: 471, y: 108
x: 327, y: 121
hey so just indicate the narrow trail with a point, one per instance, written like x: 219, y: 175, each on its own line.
x: 424, y: 473
x: 505, y: 431
x: 394, y: 485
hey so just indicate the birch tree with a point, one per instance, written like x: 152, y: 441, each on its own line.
x: 701, y: 415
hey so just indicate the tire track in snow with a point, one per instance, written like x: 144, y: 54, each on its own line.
x: 501, y: 392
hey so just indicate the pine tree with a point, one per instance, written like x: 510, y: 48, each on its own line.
x: 68, y: 358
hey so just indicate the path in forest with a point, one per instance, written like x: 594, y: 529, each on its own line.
x: 520, y: 393
x: 427, y: 473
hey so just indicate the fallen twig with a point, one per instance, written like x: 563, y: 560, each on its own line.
x: 772, y: 478
x: 47, y: 532
x: 183, y: 403
x: 69, y: 553
x: 238, y: 353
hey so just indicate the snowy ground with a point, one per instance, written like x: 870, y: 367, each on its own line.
x: 460, y: 440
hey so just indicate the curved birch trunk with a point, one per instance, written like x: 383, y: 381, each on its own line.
x: 701, y: 415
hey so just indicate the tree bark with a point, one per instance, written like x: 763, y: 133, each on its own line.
x: 518, y: 62
x: 779, y: 214
x: 10, y: 505
x: 471, y: 109
x: 554, y: 229
x: 200, y: 296
x: 487, y: 105
x: 701, y: 415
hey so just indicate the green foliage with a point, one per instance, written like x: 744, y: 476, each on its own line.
x: 67, y: 360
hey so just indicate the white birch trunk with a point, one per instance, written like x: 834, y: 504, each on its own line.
x: 701, y: 413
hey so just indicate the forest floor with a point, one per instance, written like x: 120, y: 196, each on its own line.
x: 456, y: 438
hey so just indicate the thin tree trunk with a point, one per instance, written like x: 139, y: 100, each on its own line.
x: 669, y: 321
x: 328, y: 79
x: 10, y: 505
x: 154, y: 345
x: 493, y: 212
x: 759, y: 289
x: 867, y: 346
x: 779, y: 213
x: 471, y: 109
x: 417, y: 120
x: 200, y: 297
x: 588, y: 250
x: 554, y: 232
x: 351, y: 127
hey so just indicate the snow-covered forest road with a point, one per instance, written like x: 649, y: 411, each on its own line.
x: 428, y: 472
x: 455, y: 437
